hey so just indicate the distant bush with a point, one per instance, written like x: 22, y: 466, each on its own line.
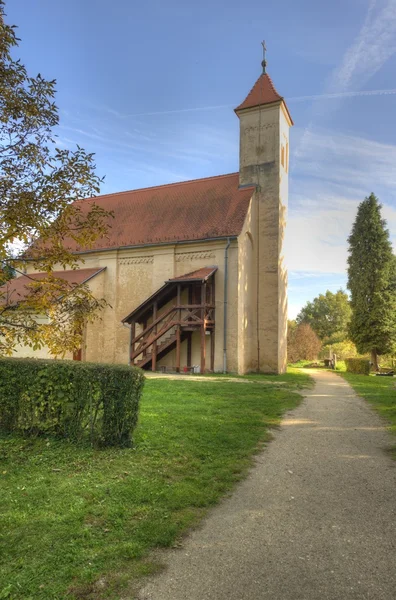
x: 342, y: 350
x: 302, y: 343
x: 357, y: 365
x: 69, y: 399
x: 341, y: 366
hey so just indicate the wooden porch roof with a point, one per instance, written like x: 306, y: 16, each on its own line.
x: 164, y: 293
x: 198, y: 275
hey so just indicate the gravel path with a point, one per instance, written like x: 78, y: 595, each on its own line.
x: 315, y: 519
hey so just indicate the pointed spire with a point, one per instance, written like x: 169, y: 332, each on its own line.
x: 263, y: 92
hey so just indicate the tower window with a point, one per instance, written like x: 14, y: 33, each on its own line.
x: 283, y: 155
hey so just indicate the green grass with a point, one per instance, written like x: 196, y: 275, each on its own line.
x: 379, y: 391
x: 79, y: 523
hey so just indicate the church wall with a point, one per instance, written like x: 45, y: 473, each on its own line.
x: 22, y: 351
x: 282, y: 271
x: 132, y: 275
x: 247, y: 294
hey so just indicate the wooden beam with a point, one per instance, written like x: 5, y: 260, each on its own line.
x: 144, y: 328
x: 212, y: 349
x: 132, y: 344
x: 203, y: 348
x: 178, y: 349
x: 189, y: 350
x: 203, y: 327
x: 178, y: 294
x: 179, y: 301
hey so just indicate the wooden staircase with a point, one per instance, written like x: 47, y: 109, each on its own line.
x: 182, y: 308
x: 168, y: 331
x: 167, y: 345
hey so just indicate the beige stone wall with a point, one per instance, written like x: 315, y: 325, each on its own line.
x: 22, y: 351
x: 247, y: 293
x: 282, y: 270
x: 264, y: 145
x: 133, y: 275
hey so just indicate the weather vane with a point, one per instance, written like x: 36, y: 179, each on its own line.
x: 264, y: 61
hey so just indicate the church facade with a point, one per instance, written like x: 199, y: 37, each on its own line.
x: 193, y: 272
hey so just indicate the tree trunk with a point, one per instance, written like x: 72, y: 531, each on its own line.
x: 374, y: 359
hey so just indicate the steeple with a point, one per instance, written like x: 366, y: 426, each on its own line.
x: 263, y: 92
x: 264, y: 162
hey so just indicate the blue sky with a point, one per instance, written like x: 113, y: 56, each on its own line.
x: 150, y: 87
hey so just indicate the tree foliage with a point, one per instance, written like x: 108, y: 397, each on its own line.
x: 328, y: 315
x: 41, y: 187
x: 302, y: 342
x: 342, y: 350
x: 371, y: 280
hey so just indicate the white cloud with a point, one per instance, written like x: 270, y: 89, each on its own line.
x: 333, y: 179
x: 372, y: 47
x: 374, y: 44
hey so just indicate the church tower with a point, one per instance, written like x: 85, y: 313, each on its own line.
x: 264, y: 163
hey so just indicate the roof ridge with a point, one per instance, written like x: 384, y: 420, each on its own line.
x: 161, y: 186
x: 273, y: 87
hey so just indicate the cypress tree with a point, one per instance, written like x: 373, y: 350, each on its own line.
x: 372, y: 282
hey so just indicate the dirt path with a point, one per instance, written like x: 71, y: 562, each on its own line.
x: 315, y: 520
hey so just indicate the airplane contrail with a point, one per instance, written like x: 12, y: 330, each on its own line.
x: 291, y: 99
x: 342, y: 95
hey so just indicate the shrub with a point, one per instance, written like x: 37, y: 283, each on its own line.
x: 69, y: 399
x: 302, y: 343
x: 358, y: 365
x: 342, y: 350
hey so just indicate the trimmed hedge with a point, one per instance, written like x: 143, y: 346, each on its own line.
x: 358, y: 365
x: 73, y: 400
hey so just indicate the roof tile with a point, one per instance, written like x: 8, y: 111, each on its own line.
x: 263, y: 92
x: 198, y: 275
x: 191, y: 210
x: 18, y: 289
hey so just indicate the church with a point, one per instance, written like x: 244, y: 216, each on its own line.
x: 193, y: 272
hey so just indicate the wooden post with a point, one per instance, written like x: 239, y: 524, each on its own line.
x: 178, y: 294
x: 179, y: 301
x: 212, y: 349
x: 133, y: 335
x: 203, y: 348
x: 154, y: 350
x: 213, y: 333
x: 178, y: 349
x: 189, y: 350
x: 144, y: 329
x: 203, y: 338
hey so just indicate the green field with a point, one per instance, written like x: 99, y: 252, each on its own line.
x: 79, y: 523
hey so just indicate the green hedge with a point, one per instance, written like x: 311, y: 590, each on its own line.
x: 358, y: 365
x: 73, y: 400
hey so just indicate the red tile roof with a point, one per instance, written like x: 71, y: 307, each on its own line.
x: 18, y: 289
x: 263, y: 92
x: 191, y: 210
x: 199, y: 275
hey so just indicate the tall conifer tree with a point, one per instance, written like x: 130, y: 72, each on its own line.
x: 371, y: 281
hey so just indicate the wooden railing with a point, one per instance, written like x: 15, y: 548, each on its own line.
x: 186, y: 315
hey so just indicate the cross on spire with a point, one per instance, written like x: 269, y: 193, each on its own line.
x: 264, y: 61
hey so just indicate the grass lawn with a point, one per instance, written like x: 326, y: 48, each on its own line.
x: 79, y: 523
x: 379, y: 391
